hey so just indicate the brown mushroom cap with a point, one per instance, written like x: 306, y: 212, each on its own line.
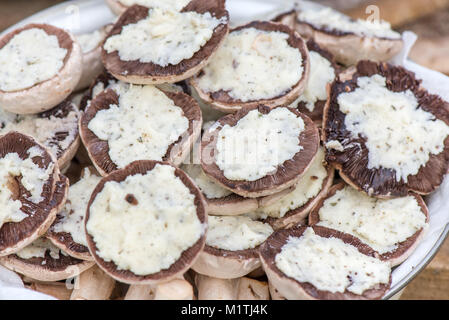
x: 231, y: 205
x: 98, y: 149
x: 404, y: 249
x: 187, y: 258
x: 297, y: 216
x: 226, y: 264
x: 288, y: 18
x: 293, y: 289
x: 17, y: 235
x: 222, y: 101
x: 64, y: 240
x: 347, y: 47
x: 105, y: 78
x: 286, y: 175
x: 92, y: 64
x: 352, y: 163
x: 63, y: 154
x: 151, y: 73
x: 46, y: 268
x: 46, y: 94
x: 317, y: 114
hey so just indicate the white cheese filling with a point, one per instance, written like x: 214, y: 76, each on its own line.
x: 329, y: 19
x: 258, y: 144
x: 144, y: 223
x: 38, y: 248
x: 44, y: 130
x: 321, y: 73
x: 235, y: 233
x: 75, y: 207
x: 31, y: 177
x: 331, y: 265
x: 90, y: 41
x: 252, y: 65
x: 211, y: 189
x: 381, y: 224
x: 307, y: 188
x: 177, y: 5
x: 405, y: 137
x: 30, y: 57
x: 142, y: 126
x: 165, y: 37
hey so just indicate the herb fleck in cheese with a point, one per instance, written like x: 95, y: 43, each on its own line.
x: 258, y: 144
x: 382, y: 224
x: 252, y: 65
x: 142, y: 126
x: 149, y: 234
x: 331, y: 20
x: 30, y: 57
x: 321, y: 73
x: 56, y: 133
x: 307, y: 188
x: 38, y: 249
x: 32, y: 178
x: 331, y: 265
x: 236, y: 233
x: 165, y: 37
x: 405, y: 137
x: 75, y: 207
x: 211, y: 189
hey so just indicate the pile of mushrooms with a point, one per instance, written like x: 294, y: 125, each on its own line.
x: 144, y: 161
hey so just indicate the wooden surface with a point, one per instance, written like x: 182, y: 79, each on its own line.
x: 432, y: 282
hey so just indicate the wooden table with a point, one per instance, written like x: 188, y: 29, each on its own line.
x: 432, y: 282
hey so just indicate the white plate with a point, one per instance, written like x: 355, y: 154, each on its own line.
x: 81, y: 16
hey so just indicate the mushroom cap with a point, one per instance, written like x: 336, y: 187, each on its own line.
x: 64, y: 240
x: 404, y: 249
x: 104, y: 78
x: 292, y: 289
x: 317, y: 114
x: 286, y: 175
x: 349, y: 48
x: 17, y: 235
x: 222, y: 101
x: 288, y: 18
x: 298, y: 215
x: 92, y: 64
x: 231, y: 205
x: 66, y: 155
x: 46, y: 94
x: 352, y: 163
x: 59, y: 144
x: 47, y: 268
x: 188, y: 256
x: 226, y: 264
x: 98, y: 149
x: 151, y: 73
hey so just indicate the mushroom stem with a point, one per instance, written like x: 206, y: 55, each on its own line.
x: 216, y: 289
x: 57, y: 290
x: 93, y: 284
x: 250, y: 289
x: 274, y: 293
x: 176, y: 289
x: 231, y: 289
